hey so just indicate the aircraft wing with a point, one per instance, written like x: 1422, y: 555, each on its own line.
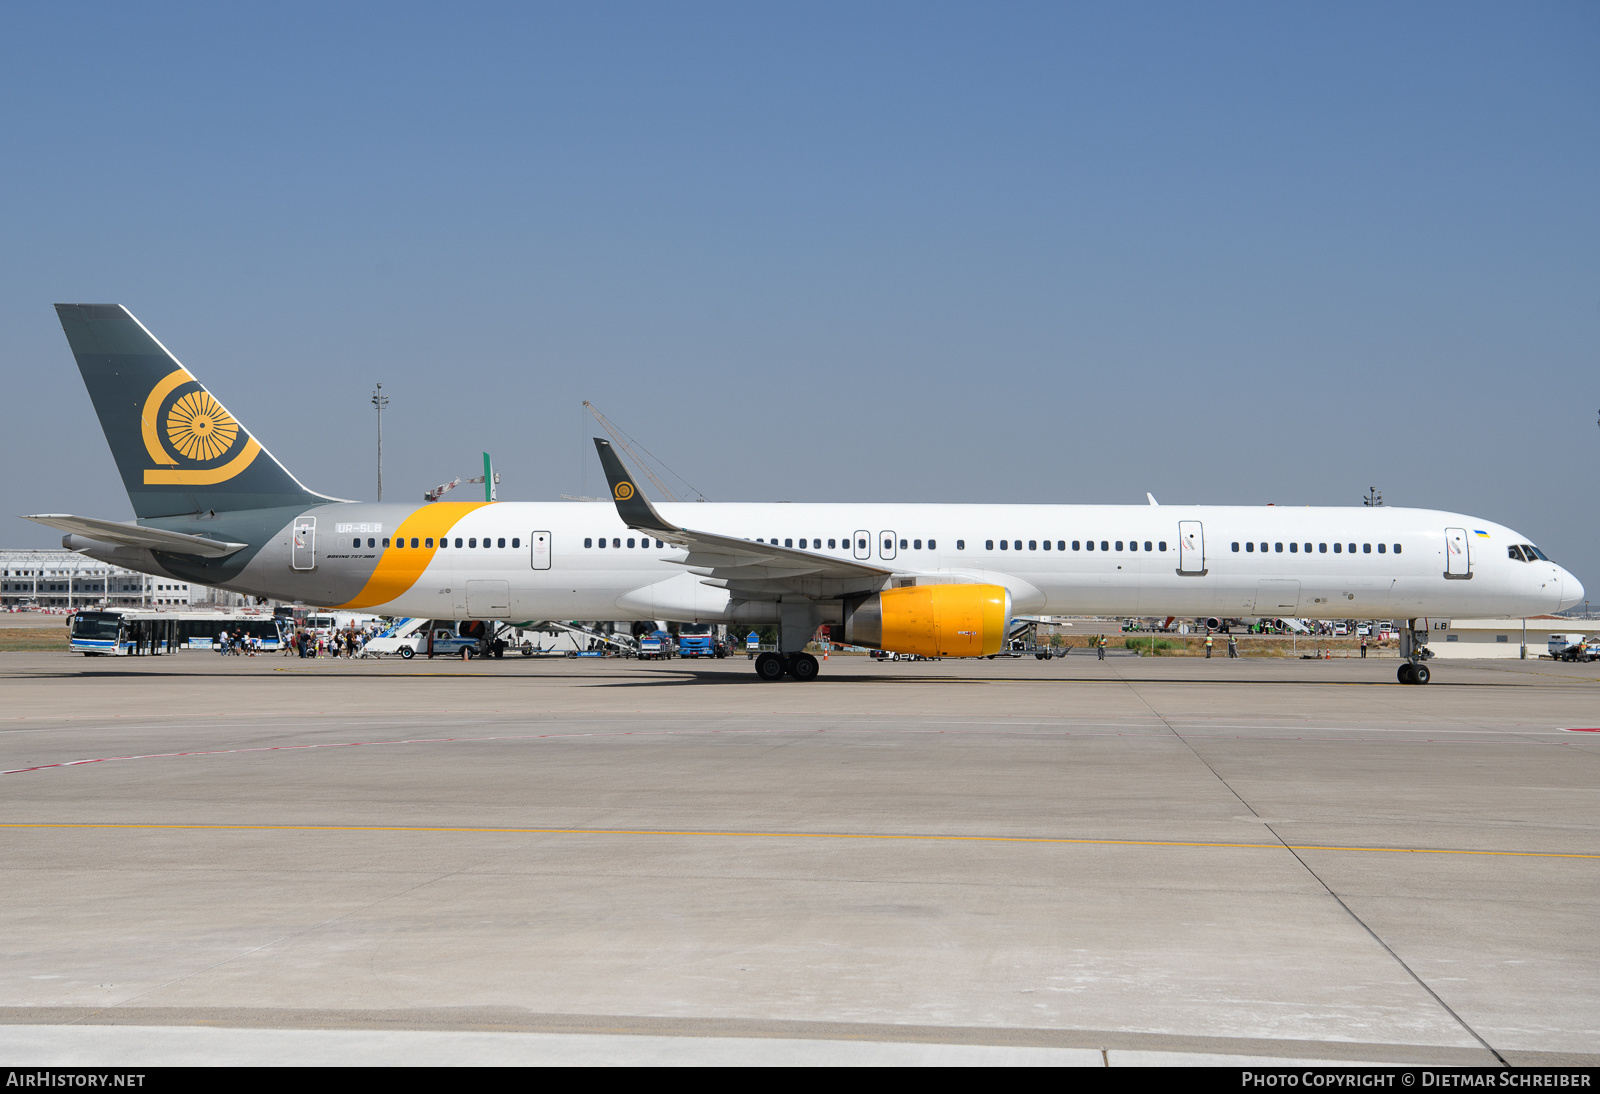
x: 746, y: 569
x: 132, y: 535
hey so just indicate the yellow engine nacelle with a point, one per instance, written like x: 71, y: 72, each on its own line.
x: 931, y: 620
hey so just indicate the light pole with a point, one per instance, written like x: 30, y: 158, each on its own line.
x: 380, y: 400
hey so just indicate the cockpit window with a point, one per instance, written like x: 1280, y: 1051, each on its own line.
x: 1533, y: 552
x: 1515, y: 552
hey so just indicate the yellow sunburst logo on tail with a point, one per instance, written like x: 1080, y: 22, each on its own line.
x: 198, y: 430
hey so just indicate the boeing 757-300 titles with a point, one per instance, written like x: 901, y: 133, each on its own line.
x: 214, y: 507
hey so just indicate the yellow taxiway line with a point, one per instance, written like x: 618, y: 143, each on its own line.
x: 920, y: 838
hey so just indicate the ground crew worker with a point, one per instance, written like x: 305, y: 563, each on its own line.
x: 1233, y: 647
x: 1363, y: 645
x: 1208, y: 647
x: 1102, y: 647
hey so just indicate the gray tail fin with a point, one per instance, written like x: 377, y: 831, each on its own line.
x: 179, y: 451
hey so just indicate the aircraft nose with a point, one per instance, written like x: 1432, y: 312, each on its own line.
x: 1571, y: 590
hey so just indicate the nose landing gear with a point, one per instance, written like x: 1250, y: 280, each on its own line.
x: 1412, y: 673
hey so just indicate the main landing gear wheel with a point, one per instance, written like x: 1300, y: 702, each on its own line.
x: 803, y: 667
x: 769, y: 666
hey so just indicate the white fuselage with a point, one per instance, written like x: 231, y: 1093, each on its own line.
x: 1291, y: 566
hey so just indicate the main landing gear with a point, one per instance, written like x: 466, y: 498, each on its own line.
x: 775, y: 666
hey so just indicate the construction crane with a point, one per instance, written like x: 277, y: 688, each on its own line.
x: 623, y: 442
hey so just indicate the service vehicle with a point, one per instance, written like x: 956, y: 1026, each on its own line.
x: 656, y: 646
x: 699, y: 640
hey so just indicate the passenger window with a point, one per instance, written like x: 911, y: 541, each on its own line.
x: 1336, y: 547
x: 861, y: 545
x: 601, y: 542
x: 630, y: 543
x: 1033, y: 545
x: 916, y: 544
x: 616, y: 542
x: 1352, y: 548
x: 788, y: 543
x: 428, y: 543
x: 932, y: 545
x: 1263, y: 548
x: 1074, y: 545
x: 1366, y: 548
x: 517, y: 542
x: 1380, y: 548
x: 471, y: 543
x: 1308, y: 548
x: 1163, y: 545
x: 1061, y: 545
x: 458, y: 543
x: 1104, y: 546
x: 961, y: 545
x: 588, y: 541
x: 988, y: 545
x: 1277, y: 548
x: 1396, y: 548
x: 1089, y: 544
x: 830, y: 545
x: 501, y: 542
x: 902, y: 545
x: 1294, y: 548
x: 386, y: 541
x: 1236, y: 548
x: 1005, y: 545
x: 1147, y: 545
x: 1250, y: 547
x: 1322, y: 548
x: 1119, y: 545
x: 1046, y: 545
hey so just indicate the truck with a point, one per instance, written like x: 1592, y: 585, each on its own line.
x: 699, y: 640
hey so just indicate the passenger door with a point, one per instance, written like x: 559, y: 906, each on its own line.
x: 539, y: 542
x: 303, y: 548
x: 1191, y: 548
x: 1457, y: 554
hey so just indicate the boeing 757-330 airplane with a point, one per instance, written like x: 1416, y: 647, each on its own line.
x: 214, y: 507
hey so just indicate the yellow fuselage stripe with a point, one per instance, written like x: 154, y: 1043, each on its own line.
x: 802, y: 835
x: 399, y: 568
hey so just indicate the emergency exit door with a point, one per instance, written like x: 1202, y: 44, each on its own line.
x: 303, y: 547
x: 863, y: 543
x: 539, y: 543
x: 1191, y: 548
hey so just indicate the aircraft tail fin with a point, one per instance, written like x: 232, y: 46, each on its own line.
x: 178, y: 449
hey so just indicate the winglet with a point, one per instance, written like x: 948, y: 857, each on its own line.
x: 632, y: 506
x: 1152, y: 498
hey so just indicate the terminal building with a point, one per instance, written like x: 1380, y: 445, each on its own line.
x: 44, y: 578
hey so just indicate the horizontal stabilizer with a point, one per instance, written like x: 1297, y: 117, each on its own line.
x: 132, y: 535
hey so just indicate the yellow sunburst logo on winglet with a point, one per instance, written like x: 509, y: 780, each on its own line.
x: 199, y: 428
x: 624, y: 491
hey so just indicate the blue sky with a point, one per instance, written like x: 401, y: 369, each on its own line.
x: 1227, y: 253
